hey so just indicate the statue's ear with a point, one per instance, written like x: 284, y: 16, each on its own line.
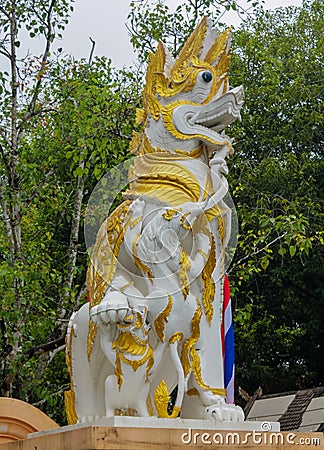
x: 191, y: 48
x: 156, y: 63
x: 169, y: 62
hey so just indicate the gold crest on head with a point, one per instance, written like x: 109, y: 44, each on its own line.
x: 203, y: 50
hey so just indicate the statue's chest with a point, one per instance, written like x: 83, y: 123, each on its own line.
x: 200, y: 173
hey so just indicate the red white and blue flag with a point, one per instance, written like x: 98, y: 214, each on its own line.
x: 227, y: 333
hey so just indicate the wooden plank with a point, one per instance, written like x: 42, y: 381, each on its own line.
x: 122, y: 438
x: 153, y: 438
x: 81, y: 439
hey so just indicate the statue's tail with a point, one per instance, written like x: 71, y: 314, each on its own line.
x: 161, y: 394
x: 161, y: 401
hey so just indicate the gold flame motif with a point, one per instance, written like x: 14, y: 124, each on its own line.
x: 161, y: 401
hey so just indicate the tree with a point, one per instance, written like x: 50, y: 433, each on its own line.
x: 152, y: 21
x: 19, y: 106
x: 63, y: 124
x: 276, y: 177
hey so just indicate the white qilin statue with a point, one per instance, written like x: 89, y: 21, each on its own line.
x: 156, y: 276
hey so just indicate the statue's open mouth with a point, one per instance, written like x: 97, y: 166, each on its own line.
x: 206, y: 121
x: 220, y: 112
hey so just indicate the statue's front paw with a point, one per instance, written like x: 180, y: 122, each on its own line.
x: 224, y: 412
x: 112, y: 309
x: 103, y: 316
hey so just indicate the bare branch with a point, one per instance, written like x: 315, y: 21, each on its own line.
x: 6, y: 217
x: 32, y: 104
x: 73, y: 245
x: 5, y: 157
x: 7, y: 348
x: 47, y: 347
x: 4, y: 137
x: 81, y: 297
x: 91, y: 51
x: 14, y: 85
x: 35, y: 192
x: 44, y: 400
x: 5, y: 12
x: 4, y: 52
x: 256, y: 251
x: 54, y: 352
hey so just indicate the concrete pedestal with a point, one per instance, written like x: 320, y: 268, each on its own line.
x: 121, y: 433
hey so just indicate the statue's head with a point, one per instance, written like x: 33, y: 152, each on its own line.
x: 187, y: 101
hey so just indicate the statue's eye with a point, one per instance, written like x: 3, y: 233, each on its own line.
x: 207, y: 77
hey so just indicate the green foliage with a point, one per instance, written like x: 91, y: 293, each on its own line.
x: 280, y: 53
x: 151, y: 22
x: 277, y: 177
x: 63, y: 124
x: 84, y: 129
x: 34, y: 16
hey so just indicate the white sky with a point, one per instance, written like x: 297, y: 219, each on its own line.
x: 104, y: 21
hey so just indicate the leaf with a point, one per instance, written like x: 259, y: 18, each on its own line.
x: 264, y: 263
x: 292, y: 250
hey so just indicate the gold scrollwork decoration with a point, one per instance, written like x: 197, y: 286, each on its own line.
x: 69, y: 396
x: 161, y: 401
x: 185, y: 265
x: 160, y: 320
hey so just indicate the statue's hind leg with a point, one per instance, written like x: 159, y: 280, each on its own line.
x: 79, y: 369
x: 87, y: 374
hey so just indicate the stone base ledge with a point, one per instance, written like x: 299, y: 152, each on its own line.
x: 155, y: 422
